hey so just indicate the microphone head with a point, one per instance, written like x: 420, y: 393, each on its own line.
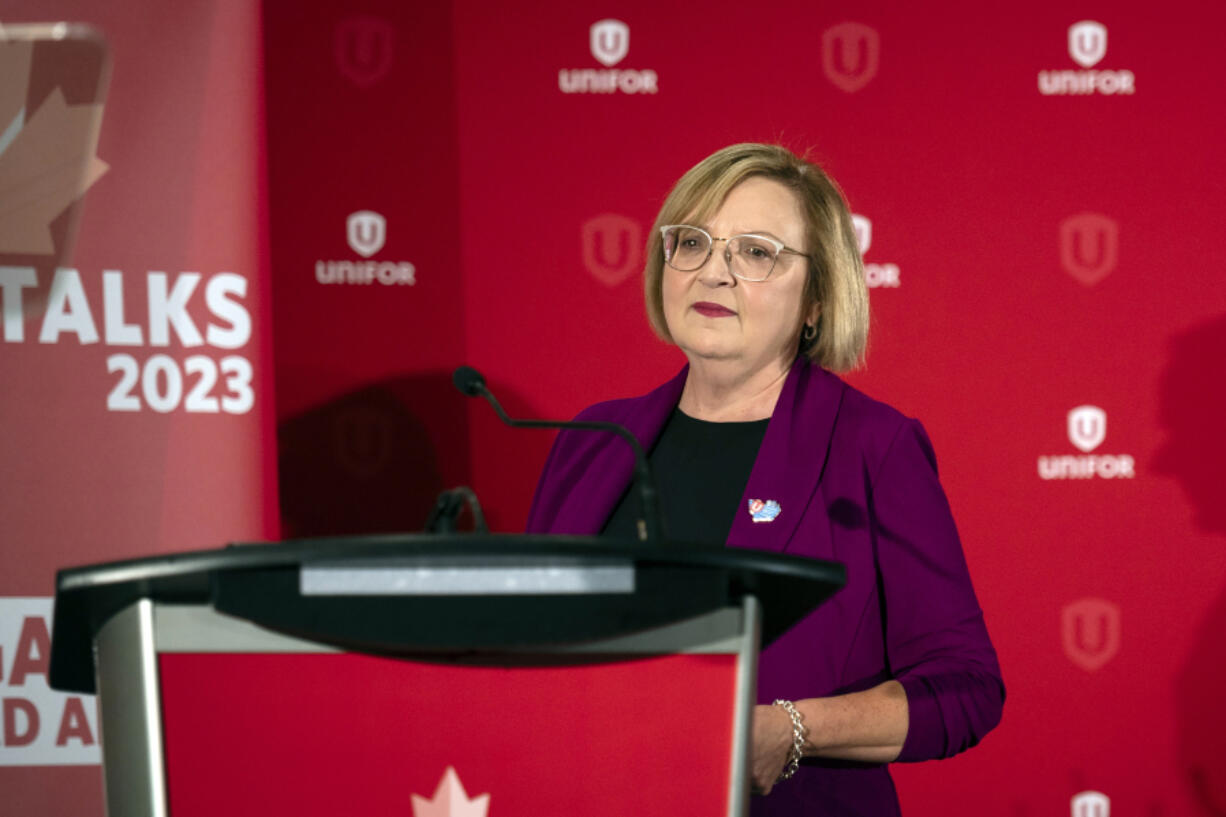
x: 469, y: 380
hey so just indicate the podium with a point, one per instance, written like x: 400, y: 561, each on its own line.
x: 428, y: 676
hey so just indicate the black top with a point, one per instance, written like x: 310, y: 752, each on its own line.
x: 701, y: 469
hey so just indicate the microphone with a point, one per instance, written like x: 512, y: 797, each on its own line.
x: 447, y: 509
x: 469, y: 381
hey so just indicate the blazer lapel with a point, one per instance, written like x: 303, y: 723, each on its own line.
x: 606, y: 471
x: 792, y: 458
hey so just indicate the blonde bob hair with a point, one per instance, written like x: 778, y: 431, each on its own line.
x: 835, y: 281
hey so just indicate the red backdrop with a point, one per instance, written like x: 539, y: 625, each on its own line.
x: 1045, y: 201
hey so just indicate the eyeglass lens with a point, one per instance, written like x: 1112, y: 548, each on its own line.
x: 687, y: 248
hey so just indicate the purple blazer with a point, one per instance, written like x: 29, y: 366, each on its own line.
x: 857, y: 483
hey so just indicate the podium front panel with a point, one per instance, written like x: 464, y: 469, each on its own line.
x: 255, y: 722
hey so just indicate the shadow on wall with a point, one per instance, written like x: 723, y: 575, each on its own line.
x: 1193, y: 412
x: 373, y: 460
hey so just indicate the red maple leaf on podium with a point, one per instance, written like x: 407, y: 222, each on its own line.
x: 450, y: 800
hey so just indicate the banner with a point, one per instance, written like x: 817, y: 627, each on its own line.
x: 137, y: 406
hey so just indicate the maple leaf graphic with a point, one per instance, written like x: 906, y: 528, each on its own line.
x: 14, y: 75
x: 47, y: 160
x: 450, y: 800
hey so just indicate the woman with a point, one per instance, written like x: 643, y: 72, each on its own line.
x: 754, y: 273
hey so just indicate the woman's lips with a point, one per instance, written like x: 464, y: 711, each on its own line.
x: 712, y: 310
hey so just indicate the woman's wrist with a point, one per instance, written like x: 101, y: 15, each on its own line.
x: 799, y: 733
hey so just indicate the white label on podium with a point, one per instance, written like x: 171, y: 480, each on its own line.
x: 438, y: 579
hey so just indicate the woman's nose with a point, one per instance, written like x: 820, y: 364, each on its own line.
x: 718, y: 269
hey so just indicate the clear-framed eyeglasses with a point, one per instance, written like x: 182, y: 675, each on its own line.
x: 750, y: 257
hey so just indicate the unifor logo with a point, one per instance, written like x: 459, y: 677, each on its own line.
x: 611, y: 245
x: 1089, y: 246
x: 1090, y: 804
x: 875, y: 274
x: 1087, y: 43
x: 366, y: 232
x: 864, y: 231
x: 1090, y: 631
x: 850, y: 55
x: 362, y: 47
x: 1087, y: 427
x: 610, y: 41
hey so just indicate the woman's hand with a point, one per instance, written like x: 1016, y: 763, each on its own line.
x: 772, y: 746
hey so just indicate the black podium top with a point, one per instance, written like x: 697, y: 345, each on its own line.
x: 321, y: 590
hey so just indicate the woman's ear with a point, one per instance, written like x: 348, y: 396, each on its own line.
x: 815, y: 314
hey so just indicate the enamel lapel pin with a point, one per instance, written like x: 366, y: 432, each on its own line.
x: 763, y: 510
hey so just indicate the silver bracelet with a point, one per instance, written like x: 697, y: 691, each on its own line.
x: 798, y: 738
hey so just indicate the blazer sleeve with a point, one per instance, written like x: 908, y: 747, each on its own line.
x: 936, y: 642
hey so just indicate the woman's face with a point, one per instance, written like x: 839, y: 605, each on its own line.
x: 714, y: 316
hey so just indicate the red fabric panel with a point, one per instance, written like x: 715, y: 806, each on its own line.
x: 340, y: 734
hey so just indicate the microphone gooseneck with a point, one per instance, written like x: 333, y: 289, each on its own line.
x: 470, y: 382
